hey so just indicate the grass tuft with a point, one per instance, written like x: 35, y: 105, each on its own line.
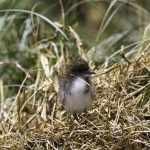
x: 36, y: 51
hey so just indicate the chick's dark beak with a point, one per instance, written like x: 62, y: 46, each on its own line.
x: 89, y: 72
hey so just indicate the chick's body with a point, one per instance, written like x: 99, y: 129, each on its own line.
x: 75, y: 87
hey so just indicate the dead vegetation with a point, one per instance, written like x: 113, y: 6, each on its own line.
x: 119, y: 117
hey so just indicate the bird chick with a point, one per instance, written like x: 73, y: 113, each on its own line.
x: 75, y: 87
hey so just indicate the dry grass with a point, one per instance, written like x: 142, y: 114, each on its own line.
x: 119, y: 117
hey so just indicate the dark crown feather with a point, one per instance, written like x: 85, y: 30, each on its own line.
x: 77, y: 66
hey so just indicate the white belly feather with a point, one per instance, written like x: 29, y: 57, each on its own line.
x: 78, y: 101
